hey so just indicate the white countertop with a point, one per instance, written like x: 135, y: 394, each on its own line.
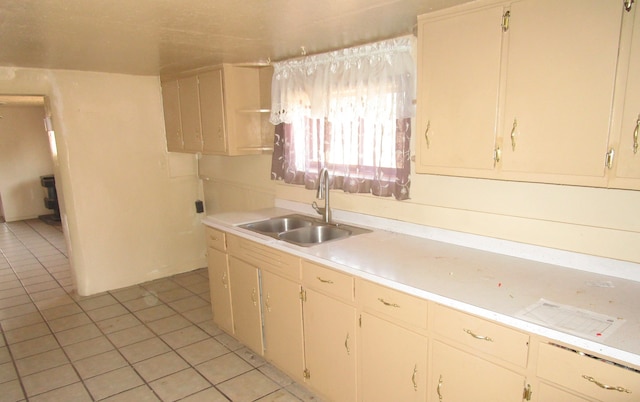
x: 487, y: 284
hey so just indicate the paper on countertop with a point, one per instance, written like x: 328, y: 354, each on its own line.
x: 571, y: 319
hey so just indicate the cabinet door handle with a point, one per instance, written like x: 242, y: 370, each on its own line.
x: 253, y: 297
x: 635, y: 136
x: 605, y: 386
x: 513, y: 134
x: 413, y: 377
x: 329, y: 281
x: 439, y: 388
x: 481, y: 337
x: 346, y: 344
x: 426, y: 133
x: 386, y: 303
x: 224, y: 280
x: 497, y: 154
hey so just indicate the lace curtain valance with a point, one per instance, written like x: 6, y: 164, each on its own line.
x: 376, y: 80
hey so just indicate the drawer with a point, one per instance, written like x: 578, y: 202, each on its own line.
x: 393, y: 304
x: 264, y: 257
x: 482, y: 335
x: 583, y: 373
x: 215, y: 239
x: 327, y: 280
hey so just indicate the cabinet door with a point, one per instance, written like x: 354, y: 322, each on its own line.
x: 190, y: 114
x: 212, y: 112
x: 559, y: 90
x: 282, y: 307
x: 393, y: 362
x: 549, y: 393
x: 458, y: 376
x: 171, y: 106
x: 330, y: 348
x: 458, y: 82
x: 219, y: 286
x: 245, y: 302
x: 627, y: 173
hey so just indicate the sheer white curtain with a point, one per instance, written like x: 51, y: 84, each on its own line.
x: 350, y: 111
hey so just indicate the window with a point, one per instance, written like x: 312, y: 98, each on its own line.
x: 349, y: 111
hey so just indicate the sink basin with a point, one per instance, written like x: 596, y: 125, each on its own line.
x: 278, y: 225
x: 302, y: 230
x: 311, y: 235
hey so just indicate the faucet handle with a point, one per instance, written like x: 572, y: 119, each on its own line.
x: 317, y: 208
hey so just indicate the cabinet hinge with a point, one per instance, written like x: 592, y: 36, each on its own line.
x: 609, y: 158
x: 505, y: 20
x: 306, y: 374
x: 303, y: 295
x: 527, y: 393
x: 628, y: 4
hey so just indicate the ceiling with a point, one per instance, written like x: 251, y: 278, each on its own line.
x: 162, y: 37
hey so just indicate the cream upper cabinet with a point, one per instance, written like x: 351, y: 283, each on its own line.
x: 518, y: 90
x: 171, y: 106
x: 212, y: 109
x: 627, y: 161
x: 560, y: 78
x: 222, y: 111
x: 459, y: 60
x: 190, y: 114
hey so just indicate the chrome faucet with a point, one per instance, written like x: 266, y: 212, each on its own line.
x: 323, y: 194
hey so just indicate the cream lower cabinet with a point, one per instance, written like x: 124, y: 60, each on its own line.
x: 218, y: 265
x: 329, y: 333
x: 282, y: 313
x: 246, y: 306
x: 460, y: 376
x: 570, y: 375
x: 473, y: 359
x: 393, y: 345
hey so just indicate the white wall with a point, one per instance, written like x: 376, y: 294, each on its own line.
x: 127, y: 218
x: 593, y: 221
x: 24, y: 157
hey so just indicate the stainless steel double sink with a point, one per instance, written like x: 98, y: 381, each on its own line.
x: 303, y: 230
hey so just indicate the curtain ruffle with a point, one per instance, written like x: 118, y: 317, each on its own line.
x: 374, y: 81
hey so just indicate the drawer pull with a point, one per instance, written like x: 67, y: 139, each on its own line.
x: 386, y: 303
x: 329, y: 281
x: 413, y: 377
x: 605, y: 386
x: 439, y: 389
x: 481, y: 337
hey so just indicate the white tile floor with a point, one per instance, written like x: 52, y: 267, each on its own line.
x: 150, y: 342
